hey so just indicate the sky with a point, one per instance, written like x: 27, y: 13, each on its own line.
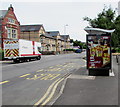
x: 55, y: 15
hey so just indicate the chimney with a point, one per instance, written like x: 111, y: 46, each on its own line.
x: 11, y: 8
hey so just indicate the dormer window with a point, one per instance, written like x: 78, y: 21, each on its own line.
x: 10, y: 20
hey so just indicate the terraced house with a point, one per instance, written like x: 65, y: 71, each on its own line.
x: 51, y: 41
x: 9, y: 25
x: 32, y: 32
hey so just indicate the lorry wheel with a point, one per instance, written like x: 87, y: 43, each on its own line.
x: 27, y: 60
x: 20, y: 60
x: 15, y: 61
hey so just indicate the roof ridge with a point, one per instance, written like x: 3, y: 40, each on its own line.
x: 32, y: 25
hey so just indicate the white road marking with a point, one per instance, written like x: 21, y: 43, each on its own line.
x: 81, y: 77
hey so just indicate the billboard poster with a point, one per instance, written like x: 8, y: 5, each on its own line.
x: 98, y: 52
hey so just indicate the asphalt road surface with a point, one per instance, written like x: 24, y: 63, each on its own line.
x: 85, y: 91
x: 36, y: 82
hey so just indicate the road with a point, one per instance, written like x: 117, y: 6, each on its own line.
x: 36, y: 82
x: 82, y: 90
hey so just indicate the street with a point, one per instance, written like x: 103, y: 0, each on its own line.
x: 91, y: 91
x: 37, y: 82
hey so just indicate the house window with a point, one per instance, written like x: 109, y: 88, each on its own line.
x: 12, y: 33
x: 11, y: 20
x: 9, y: 33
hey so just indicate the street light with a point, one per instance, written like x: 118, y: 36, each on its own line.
x: 65, y: 34
x: 65, y: 28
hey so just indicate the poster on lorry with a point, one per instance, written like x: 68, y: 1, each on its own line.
x: 98, y: 52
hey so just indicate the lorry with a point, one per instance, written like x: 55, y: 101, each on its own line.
x: 20, y: 50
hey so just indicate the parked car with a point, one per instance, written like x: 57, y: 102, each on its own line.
x: 78, y: 50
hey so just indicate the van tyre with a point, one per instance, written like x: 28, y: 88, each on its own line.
x: 39, y: 57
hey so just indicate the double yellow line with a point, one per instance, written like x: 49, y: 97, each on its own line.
x: 4, y: 82
x: 48, y: 96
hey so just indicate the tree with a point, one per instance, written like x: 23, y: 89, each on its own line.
x: 79, y: 44
x: 107, y: 20
x: 116, y: 34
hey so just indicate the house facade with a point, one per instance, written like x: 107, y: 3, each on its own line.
x: 51, y: 41
x: 48, y: 43
x: 9, y: 25
x: 32, y: 32
x: 62, y: 41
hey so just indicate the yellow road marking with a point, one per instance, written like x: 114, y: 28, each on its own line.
x: 36, y: 76
x: 47, y: 92
x: 40, y: 70
x: 50, y: 76
x: 55, y: 77
x: 58, y: 68
x: 47, y: 77
x: 51, y: 67
x: 4, y: 82
x: 54, y: 69
x: 59, y: 65
x: 52, y: 93
x: 24, y: 75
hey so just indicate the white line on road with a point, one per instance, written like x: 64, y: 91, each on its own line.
x: 81, y: 77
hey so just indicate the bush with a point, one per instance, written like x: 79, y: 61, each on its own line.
x: 117, y: 50
x: 1, y: 54
x: 69, y: 50
x: 48, y: 52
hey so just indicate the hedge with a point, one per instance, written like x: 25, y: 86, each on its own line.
x: 48, y: 52
x: 69, y: 50
x: 1, y: 54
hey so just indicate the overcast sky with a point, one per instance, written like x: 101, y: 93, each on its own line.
x: 55, y: 14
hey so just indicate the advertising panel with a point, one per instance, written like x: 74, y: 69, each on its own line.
x: 98, y: 52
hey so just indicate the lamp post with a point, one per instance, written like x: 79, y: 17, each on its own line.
x: 64, y: 37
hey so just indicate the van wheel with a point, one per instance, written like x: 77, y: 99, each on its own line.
x: 39, y: 57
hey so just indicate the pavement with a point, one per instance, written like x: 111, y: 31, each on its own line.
x: 83, y: 90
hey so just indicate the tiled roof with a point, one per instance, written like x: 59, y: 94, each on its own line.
x: 3, y: 13
x: 26, y: 28
x: 48, y: 36
x: 65, y: 37
x: 52, y: 33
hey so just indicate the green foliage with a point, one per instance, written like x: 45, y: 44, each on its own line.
x: 71, y: 40
x: 1, y: 54
x: 116, y: 34
x: 117, y: 50
x: 107, y: 20
x: 48, y: 52
x: 79, y: 43
x: 69, y: 50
